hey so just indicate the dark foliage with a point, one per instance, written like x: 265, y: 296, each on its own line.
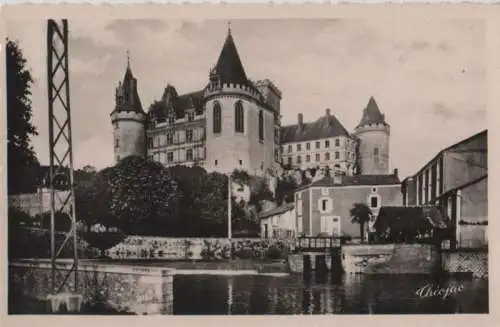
x: 22, y: 164
x: 62, y: 221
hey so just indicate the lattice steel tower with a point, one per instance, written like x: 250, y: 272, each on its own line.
x: 60, y: 148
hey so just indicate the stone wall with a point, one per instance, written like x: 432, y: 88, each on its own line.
x: 390, y: 259
x: 466, y: 262
x: 139, y: 290
x: 142, y: 247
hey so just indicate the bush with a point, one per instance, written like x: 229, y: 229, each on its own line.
x: 274, y: 253
x: 243, y: 254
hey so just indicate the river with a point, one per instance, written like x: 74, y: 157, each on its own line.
x: 342, y: 294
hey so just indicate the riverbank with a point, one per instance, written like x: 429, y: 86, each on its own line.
x: 242, y: 265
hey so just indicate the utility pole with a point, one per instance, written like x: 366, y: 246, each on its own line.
x: 229, y: 215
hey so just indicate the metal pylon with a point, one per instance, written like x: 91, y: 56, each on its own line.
x: 61, y: 149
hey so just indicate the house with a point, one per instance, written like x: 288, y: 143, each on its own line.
x: 323, y: 207
x: 456, y: 180
x: 278, y: 222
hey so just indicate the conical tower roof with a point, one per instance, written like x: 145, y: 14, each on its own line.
x: 131, y: 101
x: 372, y: 114
x: 229, y: 67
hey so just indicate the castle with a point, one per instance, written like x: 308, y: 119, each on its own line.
x: 235, y: 123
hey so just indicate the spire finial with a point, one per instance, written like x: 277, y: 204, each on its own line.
x: 228, y: 27
x: 128, y: 59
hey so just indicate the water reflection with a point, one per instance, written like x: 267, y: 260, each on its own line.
x: 327, y: 294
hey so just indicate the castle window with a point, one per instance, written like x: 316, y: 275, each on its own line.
x: 318, y: 158
x: 337, y: 142
x: 308, y: 146
x: 190, y: 116
x: 189, y: 154
x: 261, y: 126
x: 327, y: 156
x: 241, y: 162
x: 337, y: 155
x: 217, y: 118
x: 325, y: 205
x: 375, y: 151
x: 117, y: 143
x: 317, y: 145
x: 327, y: 144
x: 170, y: 156
x: 189, y: 135
x: 170, y: 138
x: 149, y: 142
x: 289, y: 148
x: 171, y: 120
x: 239, y: 118
x: 156, y: 141
x: 215, y: 162
x: 289, y: 161
x: 299, y: 159
x: 299, y: 147
x: 308, y: 158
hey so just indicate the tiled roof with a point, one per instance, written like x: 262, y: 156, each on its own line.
x: 277, y: 211
x: 171, y: 102
x: 324, y: 127
x: 372, y: 114
x: 229, y: 67
x: 368, y: 180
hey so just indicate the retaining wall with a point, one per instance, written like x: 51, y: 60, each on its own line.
x: 139, y: 290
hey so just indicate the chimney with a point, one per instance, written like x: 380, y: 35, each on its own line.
x: 300, y: 119
x: 396, y: 172
x: 327, y: 112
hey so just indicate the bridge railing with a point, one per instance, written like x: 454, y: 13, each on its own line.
x: 317, y: 243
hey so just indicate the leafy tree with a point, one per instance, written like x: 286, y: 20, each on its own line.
x: 92, y: 200
x: 361, y: 214
x: 285, y: 190
x: 22, y: 164
x: 144, y: 196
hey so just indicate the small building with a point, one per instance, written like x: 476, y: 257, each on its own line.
x: 278, y: 222
x: 399, y: 224
x: 323, y: 207
x: 456, y: 179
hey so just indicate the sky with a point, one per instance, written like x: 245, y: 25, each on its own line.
x: 429, y: 77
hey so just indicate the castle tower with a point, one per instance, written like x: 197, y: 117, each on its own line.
x: 241, y: 125
x: 373, y: 134
x: 128, y: 119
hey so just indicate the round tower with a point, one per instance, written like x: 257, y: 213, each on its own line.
x: 373, y: 134
x: 128, y: 119
x: 240, y: 128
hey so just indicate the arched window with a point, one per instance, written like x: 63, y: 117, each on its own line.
x: 261, y: 126
x: 217, y: 118
x: 239, y: 118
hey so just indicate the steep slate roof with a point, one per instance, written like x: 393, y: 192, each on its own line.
x: 229, y: 67
x: 372, y: 114
x: 133, y: 103
x: 172, y: 102
x: 277, y: 211
x: 323, y: 127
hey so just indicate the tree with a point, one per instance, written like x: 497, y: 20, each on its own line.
x: 22, y: 164
x: 92, y: 200
x: 144, y: 196
x: 361, y: 214
x: 285, y: 190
